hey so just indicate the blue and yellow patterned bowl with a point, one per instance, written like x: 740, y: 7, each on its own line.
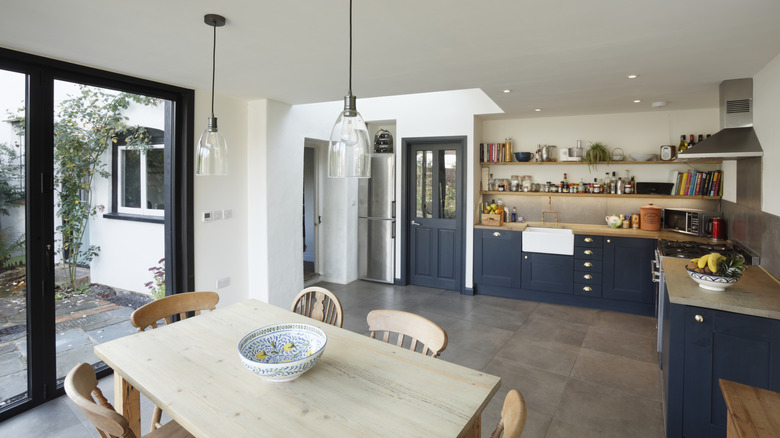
x: 711, y: 281
x: 282, y: 352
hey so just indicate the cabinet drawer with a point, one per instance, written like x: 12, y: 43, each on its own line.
x: 587, y: 277
x: 586, y: 252
x: 587, y: 290
x: 585, y: 240
x: 588, y: 265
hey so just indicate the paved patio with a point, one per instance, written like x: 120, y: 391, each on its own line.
x: 82, y: 321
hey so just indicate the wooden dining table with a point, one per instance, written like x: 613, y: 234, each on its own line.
x: 360, y: 387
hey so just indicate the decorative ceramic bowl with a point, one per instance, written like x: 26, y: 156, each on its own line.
x: 523, y: 156
x: 710, y: 281
x: 642, y: 157
x: 282, y: 352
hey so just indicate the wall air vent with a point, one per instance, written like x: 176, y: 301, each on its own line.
x: 738, y: 106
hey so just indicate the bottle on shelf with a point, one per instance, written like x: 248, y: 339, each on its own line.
x: 596, y: 187
x: 620, y: 186
x: 683, y: 144
x: 701, y: 138
x: 565, y: 180
x: 581, y: 187
x: 692, y: 142
x: 491, y: 183
x: 613, y: 184
x: 514, y: 214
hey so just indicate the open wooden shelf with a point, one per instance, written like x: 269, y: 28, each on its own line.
x: 606, y: 163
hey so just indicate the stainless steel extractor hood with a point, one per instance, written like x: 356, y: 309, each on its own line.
x: 736, y: 139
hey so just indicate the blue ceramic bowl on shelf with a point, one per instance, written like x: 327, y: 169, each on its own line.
x: 523, y: 156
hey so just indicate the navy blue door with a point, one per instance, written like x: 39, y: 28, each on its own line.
x: 435, y: 226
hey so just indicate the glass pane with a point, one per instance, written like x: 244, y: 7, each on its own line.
x: 424, y: 184
x: 447, y: 182
x: 130, y: 162
x: 13, y: 292
x: 105, y: 268
x: 155, y: 173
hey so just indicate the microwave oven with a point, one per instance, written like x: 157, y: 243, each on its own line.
x: 690, y: 221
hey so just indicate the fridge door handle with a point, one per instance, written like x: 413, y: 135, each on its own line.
x: 393, y: 210
x: 415, y: 223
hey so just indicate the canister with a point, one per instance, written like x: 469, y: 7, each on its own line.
x: 650, y: 219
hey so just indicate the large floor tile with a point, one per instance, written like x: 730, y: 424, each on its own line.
x: 546, y: 329
x: 622, y: 343
x: 567, y: 313
x: 551, y: 356
x: 635, y: 324
x: 629, y: 375
x: 609, y: 412
x: 541, y: 389
x: 503, y: 318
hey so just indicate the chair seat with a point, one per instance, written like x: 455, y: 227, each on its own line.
x: 170, y: 429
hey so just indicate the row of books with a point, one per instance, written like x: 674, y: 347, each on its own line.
x: 494, y: 153
x: 698, y: 183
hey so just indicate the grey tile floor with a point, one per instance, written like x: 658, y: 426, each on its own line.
x: 583, y: 372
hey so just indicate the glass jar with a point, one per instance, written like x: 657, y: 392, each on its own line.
x: 527, y: 181
x: 515, y: 183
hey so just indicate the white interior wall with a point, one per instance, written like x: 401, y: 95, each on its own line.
x: 221, y: 249
x: 766, y: 113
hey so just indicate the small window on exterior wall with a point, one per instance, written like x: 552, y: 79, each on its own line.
x: 139, y: 177
x: 140, y: 180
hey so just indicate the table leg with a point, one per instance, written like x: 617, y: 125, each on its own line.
x: 475, y: 430
x: 127, y: 401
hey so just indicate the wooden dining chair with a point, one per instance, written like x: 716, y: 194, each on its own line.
x: 150, y: 314
x: 404, y: 324
x: 513, y: 416
x: 320, y: 304
x: 81, y: 387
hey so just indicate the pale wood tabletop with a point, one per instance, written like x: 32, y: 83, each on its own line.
x: 360, y: 387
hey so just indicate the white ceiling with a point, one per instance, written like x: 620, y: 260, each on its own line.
x: 565, y: 56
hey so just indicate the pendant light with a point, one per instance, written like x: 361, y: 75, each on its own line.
x: 211, y: 157
x: 348, y: 151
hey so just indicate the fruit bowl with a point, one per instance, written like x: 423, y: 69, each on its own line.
x: 523, y: 156
x: 711, y: 281
x: 282, y: 352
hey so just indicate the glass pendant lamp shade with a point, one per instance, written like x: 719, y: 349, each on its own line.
x: 211, y: 156
x: 212, y: 153
x: 349, y: 153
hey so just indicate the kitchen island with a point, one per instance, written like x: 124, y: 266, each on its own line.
x: 707, y: 336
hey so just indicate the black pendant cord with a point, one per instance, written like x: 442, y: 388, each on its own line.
x: 214, y: 68
x: 350, y: 47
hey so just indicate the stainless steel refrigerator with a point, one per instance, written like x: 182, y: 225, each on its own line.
x: 376, y: 221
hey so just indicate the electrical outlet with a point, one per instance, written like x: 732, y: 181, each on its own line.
x: 207, y: 216
x: 228, y: 214
x: 223, y: 282
x: 216, y: 214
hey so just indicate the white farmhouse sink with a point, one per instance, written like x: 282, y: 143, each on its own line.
x: 548, y: 240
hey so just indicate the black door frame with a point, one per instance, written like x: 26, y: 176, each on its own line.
x: 39, y: 151
x: 406, y: 216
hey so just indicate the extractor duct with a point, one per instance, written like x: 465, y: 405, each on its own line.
x: 736, y: 139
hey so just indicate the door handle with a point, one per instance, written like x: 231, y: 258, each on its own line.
x: 415, y: 223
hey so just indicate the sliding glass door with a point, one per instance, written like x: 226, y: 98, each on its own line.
x: 95, y: 215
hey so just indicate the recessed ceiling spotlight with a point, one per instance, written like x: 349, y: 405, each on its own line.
x: 637, y: 101
x: 507, y: 90
x: 633, y: 76
x: 537, y: 109
x: 659, y: 104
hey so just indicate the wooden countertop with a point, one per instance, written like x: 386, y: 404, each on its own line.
x: 757, y: 293
x: 753, y: 412
x: 597, y: 230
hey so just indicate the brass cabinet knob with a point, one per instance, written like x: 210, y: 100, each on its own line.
x: 588, y: 239
x: 699, y: 318
x: 588, y: 252
x: 587, y: 276
x: 497, y: 234
x: 526, y: 257
x: 609, y: 240
x: 587, y: 289
x: 588, y: 264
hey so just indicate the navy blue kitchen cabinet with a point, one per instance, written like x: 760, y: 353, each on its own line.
x: 627, y: 271
x: 707, y: 345
x: 497, y: 258
x: 548, y: 272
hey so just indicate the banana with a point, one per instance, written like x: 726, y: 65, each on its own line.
x: 703, y: 261
x: 696, y: 260
x: 712, y: 262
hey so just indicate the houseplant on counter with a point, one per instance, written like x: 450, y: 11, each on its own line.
x: 596, y: 153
